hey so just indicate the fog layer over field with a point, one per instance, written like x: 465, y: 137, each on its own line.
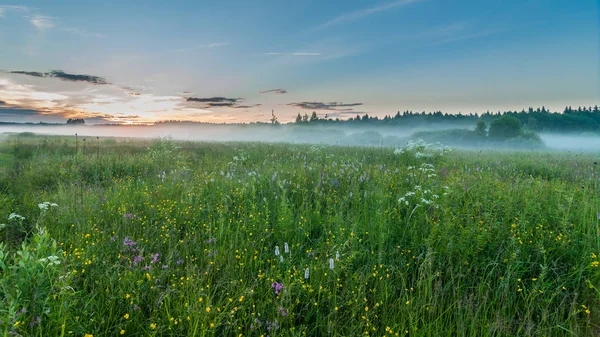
x: 293, y: 133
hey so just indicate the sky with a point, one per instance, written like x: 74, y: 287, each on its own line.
x: 232, y: 61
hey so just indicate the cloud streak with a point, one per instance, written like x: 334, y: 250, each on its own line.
x: 61, y: 75
x: 296, y: 54
x: 358, y: 14
x: 332, y: 106
x: 220, y: 102
x: 274, y: 91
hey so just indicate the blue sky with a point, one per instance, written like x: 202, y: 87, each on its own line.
x: 210, y: 60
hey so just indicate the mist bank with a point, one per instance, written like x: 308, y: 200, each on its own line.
x: 352, y: 135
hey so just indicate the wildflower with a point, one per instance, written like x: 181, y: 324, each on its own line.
x: 179, y: 262
x: 337, y: 255
x: 126, y: 316
x: 283, y: 312
x: 276, y: 250
x: 306, y: 273
x: 155, y: 258
x: 128, y: 216
x: 137, y: 259
x: 277, y: 286
x: 331, y: 264
x: 45, y: 205
x: 15, y: 216
x: 122, y: 332
x: 128, y: 242
x: 281, y: 258
x: 165, y: 266
x: 286, y: 248
x: 208, y: 309
x: 152, y: 326
x: 335, y: 182
x: 136, y: 308
x: 147, y: 268
x: 211, y: 240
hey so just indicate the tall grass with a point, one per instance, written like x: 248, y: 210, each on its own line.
x: 174, y: 238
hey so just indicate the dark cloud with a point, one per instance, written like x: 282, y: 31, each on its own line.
x: 335, y: 106
x: 246, y: 106
x: 220, y: 102
x: 17, y: 111
x: 61, y: 75
x: 274, y: 91
x: 212, y: 99
x: 30, y: 73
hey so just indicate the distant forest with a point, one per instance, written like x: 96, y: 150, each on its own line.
x: 582, y: 119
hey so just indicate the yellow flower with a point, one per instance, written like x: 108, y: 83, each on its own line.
x: 127, y: 296
x: 208, y: 309
x: 152, y: 326
x: 122, y: 332
x: 212, y: 325
x: 88, y: 335
x: 126, y: 316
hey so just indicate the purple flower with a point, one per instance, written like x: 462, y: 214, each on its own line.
x: 36, y: 321
x: 155, y: 258
x: 146, y: 268
x: 277, y: 286
x: 128, y: 242
x: 128, y: 216
x: 135, y: 307
x: 179, y: 262
x: 283, y: 312
x: 335, y: 182
x: 165, y: 266
x: 137, y: 259
x: 113, y: 238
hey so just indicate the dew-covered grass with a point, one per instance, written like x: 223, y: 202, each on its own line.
x: 254, y: 239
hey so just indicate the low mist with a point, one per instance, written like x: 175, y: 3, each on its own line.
x: 347, y: 135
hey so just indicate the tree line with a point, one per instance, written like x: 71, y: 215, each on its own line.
x: 540, y: 119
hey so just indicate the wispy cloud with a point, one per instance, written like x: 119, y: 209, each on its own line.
x: 220, y: 102
x: 296, y: 54
x: 274, y: 91
x: 9, y: 8
x: 204, y: 46
x: 42, y: 22
x: 358, y: 14
x: 336, y: 106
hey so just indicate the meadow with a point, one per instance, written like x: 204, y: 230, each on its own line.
x: 156, y: 237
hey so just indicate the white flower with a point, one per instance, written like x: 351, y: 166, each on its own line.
x: 286, y: 248
x: 331, y: 264
x: 276, y: 250
x: 306, y: 273
x: 281, y: 258
x: 15, y: 216
x: 46, y: 204
x: 337, y: 255
x: 2, y: 225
